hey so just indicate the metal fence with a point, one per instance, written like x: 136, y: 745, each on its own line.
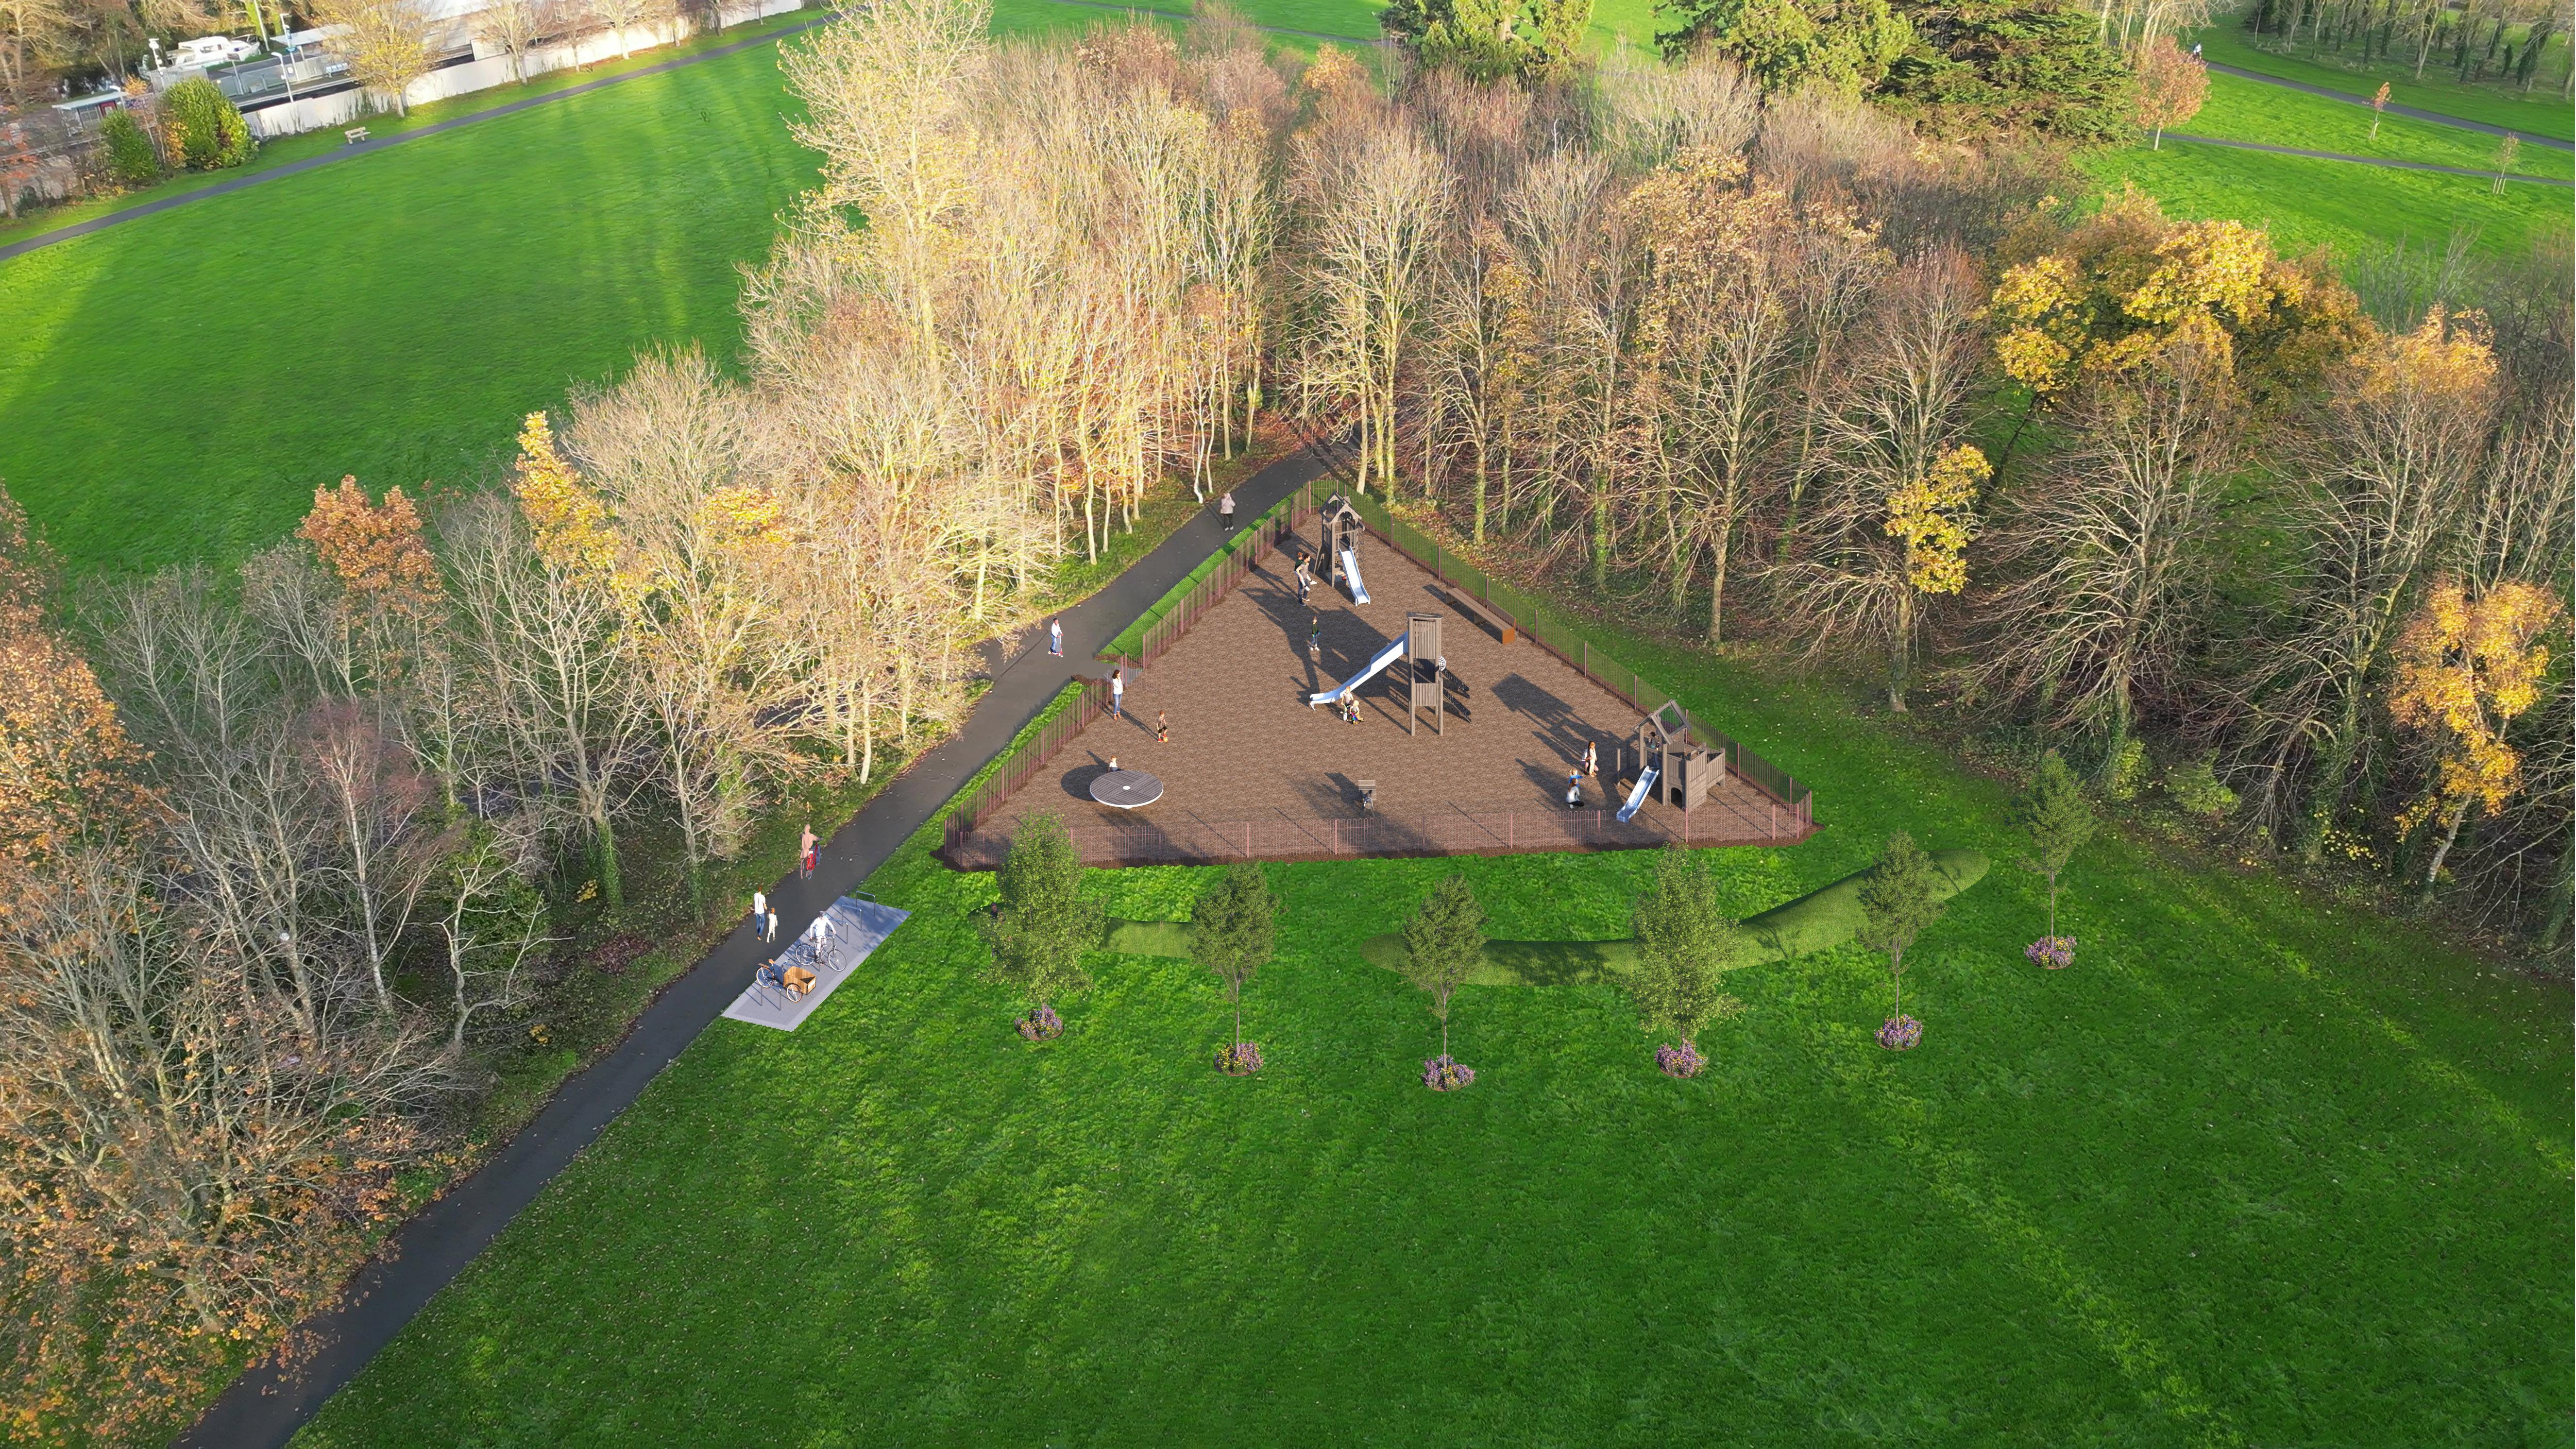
x: 1186, y: 839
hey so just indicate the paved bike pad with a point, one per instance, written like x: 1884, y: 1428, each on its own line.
x: 858, y: 928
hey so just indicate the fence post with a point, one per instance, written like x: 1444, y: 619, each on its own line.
x: 1511, y: 834
x: 1247, y: 840
x: 1336, y: 823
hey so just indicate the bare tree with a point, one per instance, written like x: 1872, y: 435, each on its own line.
x: 386, y: 43
x: 1374, y: 196
x: 1900, y: 485
x: 2405, y: 430
x: 554, y: 666
x: 2119, y: 538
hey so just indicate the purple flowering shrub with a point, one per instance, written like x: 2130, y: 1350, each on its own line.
x: 1042, y: 1024
x: 1441, y: 1074
x: 1239, y: 1060
x: 2054, y: 952
x: 1679, y: 1061
x: 1900, y: 1034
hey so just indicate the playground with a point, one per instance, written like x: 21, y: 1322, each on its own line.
x: 1262, y: 758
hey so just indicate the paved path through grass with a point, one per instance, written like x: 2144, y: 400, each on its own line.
x: 2364, y: 160
x: 266, y: 1405
x: 2418, y: 112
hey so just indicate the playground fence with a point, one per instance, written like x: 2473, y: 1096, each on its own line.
x: 1186, y: 839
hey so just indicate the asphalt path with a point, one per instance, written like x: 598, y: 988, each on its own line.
x: 376, y: 144
x: 269, y: 1402
x: 2416, y: 112
x: 2394, y: 165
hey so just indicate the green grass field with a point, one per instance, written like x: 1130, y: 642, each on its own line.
x: 2542, y: 112
x: 2348, y: 207
x: 177, y: 387
x: 2245, y: 1174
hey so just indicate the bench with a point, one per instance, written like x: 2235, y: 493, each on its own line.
x: 355, y: 134
x: 1493, y: 618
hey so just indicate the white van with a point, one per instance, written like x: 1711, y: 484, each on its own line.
x: 208, y: 50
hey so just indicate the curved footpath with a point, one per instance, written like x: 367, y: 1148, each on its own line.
x: 2416, y: 112
x: 2386, y: 161
x: 266, y: 1405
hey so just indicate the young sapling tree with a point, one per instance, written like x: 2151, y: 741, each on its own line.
x: 2058, y: 818
x: 1233, y: 930
x: 1042, y: 927
x: 1899, y: 900
x: 1684, y: 950
x: 1442, y: 944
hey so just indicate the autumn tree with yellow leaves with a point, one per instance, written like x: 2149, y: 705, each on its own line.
x: 2465, y: 669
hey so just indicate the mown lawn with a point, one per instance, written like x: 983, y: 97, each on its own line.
x: 175, y: 388
x: 2253, y: 1171
x: 2244, y: 110
x: 2351, y: 209
x: 2543, y: 112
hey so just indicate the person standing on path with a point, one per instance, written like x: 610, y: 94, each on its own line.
x: 1162, y: 726
x: 1225, y: 511
x: 805, y: 869
x: 1315, y: 637
x: 1305, y: 582
x: 1592, y: 758
x: 1055, y: 637
x: 1118, y: 694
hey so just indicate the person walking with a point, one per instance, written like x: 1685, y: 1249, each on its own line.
x: 1118, y: 694
x: 1305, y: 582
x: 1315, y: 637
x: 1592, y: 758
x: 759, y: 916
x: 1162, y: 726
x: 805, y: 854
x: 1055, y: 637
x: 1225, y: 511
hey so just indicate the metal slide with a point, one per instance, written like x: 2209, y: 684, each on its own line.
x: 1385, y: 657
x: 1351, y: 571
x: 1637, y: 797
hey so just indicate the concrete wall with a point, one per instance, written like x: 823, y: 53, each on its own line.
x: 349, y: 108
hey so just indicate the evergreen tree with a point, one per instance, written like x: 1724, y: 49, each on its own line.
x: 206, y: 132
x: 1442, y: 944
x: 2058, y: 819
x: 1042, y: 927
x: 1233, y: 929
x: 130, y: 157
x: 1684, y: 950
x: 1899, y: 900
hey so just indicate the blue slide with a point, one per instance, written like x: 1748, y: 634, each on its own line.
x: 1351, y: 571
x: 1385, y: 657
x: 1637, y: 797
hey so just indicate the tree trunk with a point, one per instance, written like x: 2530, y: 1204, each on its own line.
x: 2450, y: 834
x: 1900, y: 649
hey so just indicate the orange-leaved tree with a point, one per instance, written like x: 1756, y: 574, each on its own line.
x: 67, y: 768
x: 2171, y: 88
x: 2466, y: 668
